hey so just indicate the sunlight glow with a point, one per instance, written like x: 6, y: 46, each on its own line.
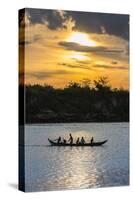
x: 82, y: 39
x: 76, y: 56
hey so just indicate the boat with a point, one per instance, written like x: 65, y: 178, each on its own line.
x: 74, y: 144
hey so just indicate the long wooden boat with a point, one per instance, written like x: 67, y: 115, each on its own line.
x: 74, y: 144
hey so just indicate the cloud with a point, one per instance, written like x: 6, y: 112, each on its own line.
x: 110, y: 67
x: 75, y: 66
x: 54, y: 19
x: 32, y: 40
x: 24, y: 18
x: 81, y: 61
x: 42, y: 75
x: 103, y: 30
x: 81, y: 48
x: 113, y: 24
x: 114, y: 62
x: 93, y: 66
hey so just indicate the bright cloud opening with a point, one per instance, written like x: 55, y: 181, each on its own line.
x: 82, y: 39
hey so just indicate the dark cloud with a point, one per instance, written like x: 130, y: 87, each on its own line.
x: 52, y: 18
x: 21, y: 18
x: 75, y: 66
x: 93, y: 66
x: 110, y: 67
x: 115, y: 24
x: 81, y: 48
x: 114, y: 62
x: 30, y: 41
x: 42, y: 75
x: 81, y: 61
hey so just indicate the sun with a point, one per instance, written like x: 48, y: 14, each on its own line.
x: 82, y: 39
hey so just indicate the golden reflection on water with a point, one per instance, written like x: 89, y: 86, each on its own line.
x: 78, y: 165
x: 77, y: 171
x: 77, y: 174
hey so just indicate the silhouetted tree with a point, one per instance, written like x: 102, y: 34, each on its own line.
x: 73, y: 84
x: 86, y: 83
x: 102, y: 84
x: 76, y: 102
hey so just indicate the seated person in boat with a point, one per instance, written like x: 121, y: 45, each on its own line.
x: 64, y: 141
x: 58, y: 140
x: 92, y: 139
x: 82, y: 140
x: 70, y: 139
x: 77, y: 141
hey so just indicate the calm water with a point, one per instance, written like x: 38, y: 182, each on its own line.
x: 59, y: 168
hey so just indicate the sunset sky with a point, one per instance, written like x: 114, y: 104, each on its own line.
x: 63, y: 46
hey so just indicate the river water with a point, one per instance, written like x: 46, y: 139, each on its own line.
x: 61, y: 168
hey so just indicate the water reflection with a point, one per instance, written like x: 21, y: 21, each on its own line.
x: 73, y: 171
x: 59, y: 168
x: 78, y: 162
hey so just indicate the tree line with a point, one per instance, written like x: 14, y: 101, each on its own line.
x: 77, y: 102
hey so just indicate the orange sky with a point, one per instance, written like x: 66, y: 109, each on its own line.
x: 57, y: 56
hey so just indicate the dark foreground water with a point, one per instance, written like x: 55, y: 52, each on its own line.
x: 59, y: 168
